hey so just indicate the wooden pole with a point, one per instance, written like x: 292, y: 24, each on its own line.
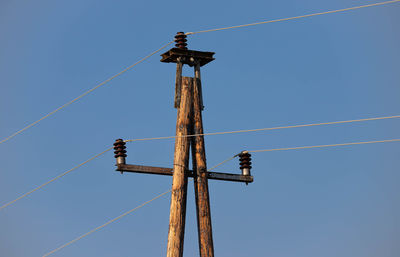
x: 178, y: 82
x: 179, y: 181
x: 206, y: 246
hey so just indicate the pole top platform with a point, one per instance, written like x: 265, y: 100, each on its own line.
x: 182, y: 54
x: 187, y: 56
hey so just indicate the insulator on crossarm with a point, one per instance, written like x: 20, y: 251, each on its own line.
x: 180, y: 40
x: 245, y: 163
x: 119, y: 151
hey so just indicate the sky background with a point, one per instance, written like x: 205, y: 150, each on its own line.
x: 329, y: 202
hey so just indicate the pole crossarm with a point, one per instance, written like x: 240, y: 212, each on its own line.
x: 169, y: 172
x: 187, y: 56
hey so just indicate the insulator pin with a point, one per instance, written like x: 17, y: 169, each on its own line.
x: 245, y: 163
x: 180, y: 40
x: 119, y: 151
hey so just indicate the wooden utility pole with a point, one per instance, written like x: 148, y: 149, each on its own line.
x: 179, y: 181
x: 189, y: 130
x: 206, y: 245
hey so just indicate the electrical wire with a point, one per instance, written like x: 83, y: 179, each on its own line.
x: 219, y: 164
x: 216, y: 133
x: 293, y: 18
x: 160, y: 195
x: 105, y: 224
x: 84, y: 94
x: 205, y: 134
x: 188, y: 33
x: 321, y: 146
x: 54, y: 179
x: 69, y: 171
x: 265, y: 129
x: 231, y: 158
x: 120, y: 216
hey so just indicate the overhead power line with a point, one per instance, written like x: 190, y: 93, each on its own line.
x: 205, y: 134
x: 322, y: 146
x: 229, y: 159
x: 105, y: 224
x: 266, y: 129
x: 54, y: 179
x: 294, y: 18
x: 121, y: 216
x: 84, y: 94
x: 188, y: 33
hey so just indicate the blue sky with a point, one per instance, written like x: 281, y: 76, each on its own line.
x: 308, y: 203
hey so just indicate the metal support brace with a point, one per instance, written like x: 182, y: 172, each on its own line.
x: 169, y: 172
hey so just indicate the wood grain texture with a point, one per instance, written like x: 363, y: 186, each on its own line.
x: 178, y: 83
x: 206, y: 245
x: 179, y: 180
x: 198, y: 81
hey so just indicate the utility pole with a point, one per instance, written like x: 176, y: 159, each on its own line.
x: 189, y: 130
x: 196, y: 59
x: 206, y: 245
x: 179, y: 179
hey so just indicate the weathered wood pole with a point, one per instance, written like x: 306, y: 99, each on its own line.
x: 206, y: 246
x: 178, y: 83
x: 179, y: 181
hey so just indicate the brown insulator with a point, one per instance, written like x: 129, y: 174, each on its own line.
x: 245, y: 162
x: 119, y: 148
x: 180, y: 40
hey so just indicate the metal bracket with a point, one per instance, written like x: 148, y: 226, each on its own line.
x: 169, y: 172
x: 173, y: 54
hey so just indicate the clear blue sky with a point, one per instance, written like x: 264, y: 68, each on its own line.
x: 329, y: 202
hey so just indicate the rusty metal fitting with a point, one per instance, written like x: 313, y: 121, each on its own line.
x: 245, y: 163
x: 119, y: 151
x: 180, y: 39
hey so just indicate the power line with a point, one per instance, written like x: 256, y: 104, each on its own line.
x: 219, y: 164
x: 229, y: 159
x: 266, y: 129
x: 321, y: 146
x: 245, y: 25
x: 121, y: 216
x: 205, y: 134
x: 54, y: 179
x: 84, y: 94
x: 105, y: 224
x: 293, y: 18
x: 189, y: 33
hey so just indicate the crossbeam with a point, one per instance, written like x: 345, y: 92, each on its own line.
x: 173, y: 54
x: 169, y: 172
